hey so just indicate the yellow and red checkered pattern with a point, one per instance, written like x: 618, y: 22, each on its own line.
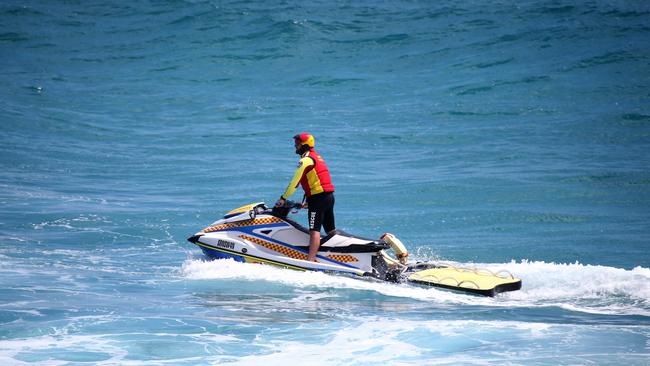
x: 291, y: 253
x: 345, y: 258
x: 267, y: 220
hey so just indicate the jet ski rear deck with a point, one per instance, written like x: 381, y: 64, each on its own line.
x: 477, y: 281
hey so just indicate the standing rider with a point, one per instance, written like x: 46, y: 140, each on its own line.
x: 315, y: 179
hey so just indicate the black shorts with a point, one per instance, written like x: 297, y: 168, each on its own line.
x: 320, y: 211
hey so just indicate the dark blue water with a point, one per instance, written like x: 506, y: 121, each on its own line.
x: 503, y: 135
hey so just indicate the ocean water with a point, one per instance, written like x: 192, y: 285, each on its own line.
x: 506, y: 135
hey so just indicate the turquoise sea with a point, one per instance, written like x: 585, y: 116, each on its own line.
x: 508, y: 135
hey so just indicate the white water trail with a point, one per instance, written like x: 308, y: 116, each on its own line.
x: 574, y: 286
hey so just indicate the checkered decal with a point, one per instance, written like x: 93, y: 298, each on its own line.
x: 267, y: 220
x: 291, y: 253
x: 275, y: 247
x: 343, y: 258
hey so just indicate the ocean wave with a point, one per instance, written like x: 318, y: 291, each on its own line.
x: 367, y: 340
x: 374, y: 340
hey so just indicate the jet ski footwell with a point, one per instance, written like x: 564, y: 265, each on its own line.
x: 477, y: 281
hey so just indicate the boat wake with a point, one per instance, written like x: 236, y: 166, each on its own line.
x: 574, y: 287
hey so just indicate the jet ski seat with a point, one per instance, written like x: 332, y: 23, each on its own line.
x: 342, y: 233
x: 296, y: 225
x: 370, y: 245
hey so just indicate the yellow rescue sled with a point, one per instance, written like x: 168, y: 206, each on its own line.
x: 477, y: 281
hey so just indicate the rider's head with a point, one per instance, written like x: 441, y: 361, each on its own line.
x: 303, y: 142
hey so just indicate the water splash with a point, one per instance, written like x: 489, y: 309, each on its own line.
x: 574, y: 287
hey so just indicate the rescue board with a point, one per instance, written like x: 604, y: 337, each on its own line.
x: 477, y: 281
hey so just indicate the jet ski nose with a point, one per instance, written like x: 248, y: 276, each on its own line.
x: 194, y: 238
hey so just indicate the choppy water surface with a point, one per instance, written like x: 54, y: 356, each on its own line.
x: 509, y: 136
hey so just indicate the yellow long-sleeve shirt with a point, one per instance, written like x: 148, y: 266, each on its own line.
x: 304, y: 163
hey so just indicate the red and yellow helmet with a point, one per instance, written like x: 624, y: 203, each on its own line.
x: 304, y: 139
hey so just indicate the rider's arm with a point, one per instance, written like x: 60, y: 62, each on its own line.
x: 304, y: 163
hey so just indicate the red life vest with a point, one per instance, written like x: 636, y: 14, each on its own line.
x: 316, y: 178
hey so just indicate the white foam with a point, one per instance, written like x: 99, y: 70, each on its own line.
x: 10, y: 349
x: 575, y: 287
x: 579, y: 287
x: 229, y: 269
x: 400, y: 342
x: 370, y: 340
x: 113, y: 348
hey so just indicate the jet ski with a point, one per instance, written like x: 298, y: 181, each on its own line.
x: 255, y: 233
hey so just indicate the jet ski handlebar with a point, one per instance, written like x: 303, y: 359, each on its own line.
x: 292, y: 204
x: 282, y: 211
